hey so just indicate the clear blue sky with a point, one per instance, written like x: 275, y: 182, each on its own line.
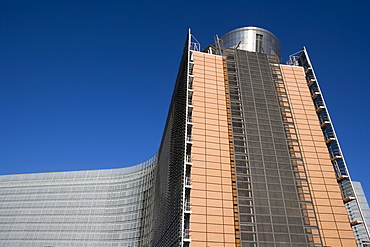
x: 87, y: 84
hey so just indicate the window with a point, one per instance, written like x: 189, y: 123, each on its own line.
x: 259, y: 38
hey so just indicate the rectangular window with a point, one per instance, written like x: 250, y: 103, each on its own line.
x: 259, y: 39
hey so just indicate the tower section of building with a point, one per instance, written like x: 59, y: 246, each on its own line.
x: 284, y: 189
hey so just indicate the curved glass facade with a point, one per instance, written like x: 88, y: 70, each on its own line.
x: 78, y: 208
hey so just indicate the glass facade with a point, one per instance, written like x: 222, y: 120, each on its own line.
x: 78, y: 208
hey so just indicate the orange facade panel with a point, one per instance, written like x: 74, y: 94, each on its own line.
x: 212, y: 220
x: 329, y: 207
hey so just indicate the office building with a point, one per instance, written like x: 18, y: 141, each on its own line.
x: 249, y: 157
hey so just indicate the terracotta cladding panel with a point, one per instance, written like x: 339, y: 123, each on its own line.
x: 211, y: 112
x: 328, y: 205
x: 211, y: 126
x: 214, y: 188
x: 211, y: 100
x: 229, y: 244
x: 199, y: 202
x: 228, y: 212
x: 212, y: 165
x: 198, y: 170
x: 348, y: 241
x: 198, y: 178
x: 328, y: 218
x: 317, y: 180
x: 313, y: 167
x: 216, y: 237
x: 198, y: 237
x: 230, y: 239
x: 226, y: 180
x: 214, y: 170
x: 338, y: 210
x: 214, y: 180
x: 214, y: 219
x: 345, y: 233
x: 344, y: 225
x: 335, y: 202
x: 197, y: 193
x: 198, y: 153
x: 211, y: 181
x: 211, y: 157
x: 214, y: 211
x: 341, y: 217
x: 200, y: 140
x: 227, y: 197
x: 332, y: 241
x: 213, y: 140
x: 209, y: 85
x: 213, y: 195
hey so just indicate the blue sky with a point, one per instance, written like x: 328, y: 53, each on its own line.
x: 87, y: 84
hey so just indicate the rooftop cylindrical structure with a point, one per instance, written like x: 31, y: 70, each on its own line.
x: 254, y: 39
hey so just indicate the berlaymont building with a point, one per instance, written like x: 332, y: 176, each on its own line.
x: 248, y: 158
